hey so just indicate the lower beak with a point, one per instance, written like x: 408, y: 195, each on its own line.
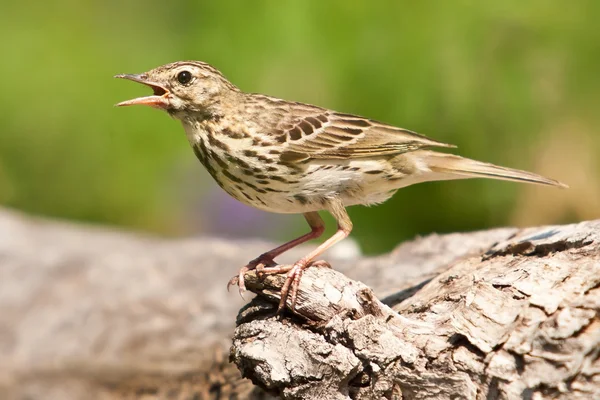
x: 158, y: 100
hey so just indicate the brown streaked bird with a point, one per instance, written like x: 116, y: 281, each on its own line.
x: 293, y: 158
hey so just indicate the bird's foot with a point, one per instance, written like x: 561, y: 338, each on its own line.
x: 259, y: 263
x: 292, y: 281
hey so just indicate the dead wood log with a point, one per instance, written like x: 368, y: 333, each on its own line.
x: 101, y: 314
x: 519, y: 320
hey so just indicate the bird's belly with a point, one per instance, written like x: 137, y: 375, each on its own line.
x: 353, y: 181
x: 321, y: 182
x: 311, y: 190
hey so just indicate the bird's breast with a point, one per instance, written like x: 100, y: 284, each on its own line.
x: 254, y: 174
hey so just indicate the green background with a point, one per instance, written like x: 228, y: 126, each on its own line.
x: 510, y: 82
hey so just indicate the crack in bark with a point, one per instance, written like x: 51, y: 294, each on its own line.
x: 531, y: 249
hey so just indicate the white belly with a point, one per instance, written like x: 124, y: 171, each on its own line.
x: 330, y: 179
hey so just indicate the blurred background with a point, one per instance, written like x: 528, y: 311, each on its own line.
x: 514, y: 83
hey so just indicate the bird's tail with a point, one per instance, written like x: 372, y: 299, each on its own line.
x: 456, y: 167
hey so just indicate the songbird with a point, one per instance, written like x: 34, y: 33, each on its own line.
x: 293, y: 158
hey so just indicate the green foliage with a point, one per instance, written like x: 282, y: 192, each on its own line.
x: 495, y: 78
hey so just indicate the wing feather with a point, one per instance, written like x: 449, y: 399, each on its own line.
x: 322, y: 134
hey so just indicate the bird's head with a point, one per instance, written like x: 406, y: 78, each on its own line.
x: 184, y: 88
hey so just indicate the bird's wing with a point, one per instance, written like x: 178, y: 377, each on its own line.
x: 324, y: 134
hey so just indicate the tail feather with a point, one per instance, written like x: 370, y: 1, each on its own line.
x: 463, y: 167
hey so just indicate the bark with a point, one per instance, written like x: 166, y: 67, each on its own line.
x: 96, y: 313
x: 518, y: 319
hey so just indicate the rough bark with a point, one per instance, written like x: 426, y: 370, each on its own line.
x: 94, y: 313
x: 519, y: 319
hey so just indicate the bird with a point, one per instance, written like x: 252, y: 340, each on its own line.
x: 294, y: 158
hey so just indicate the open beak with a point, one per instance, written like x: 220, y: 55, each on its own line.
x: 158, y: 99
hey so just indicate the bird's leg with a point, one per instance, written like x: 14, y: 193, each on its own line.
x: 317, y: 227
x: 295, y: 271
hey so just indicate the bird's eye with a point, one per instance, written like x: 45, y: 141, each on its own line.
x: 184, y: 77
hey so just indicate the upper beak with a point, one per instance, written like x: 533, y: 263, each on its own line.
x: 158, y: 99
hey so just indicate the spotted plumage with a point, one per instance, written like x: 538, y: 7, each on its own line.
x: 289, y: 157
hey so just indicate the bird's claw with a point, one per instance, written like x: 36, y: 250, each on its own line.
x: 236, y: 280
x: 232, y: 282
x: 264, y: 265
x: 292, y: 280
x: 258, y: 264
